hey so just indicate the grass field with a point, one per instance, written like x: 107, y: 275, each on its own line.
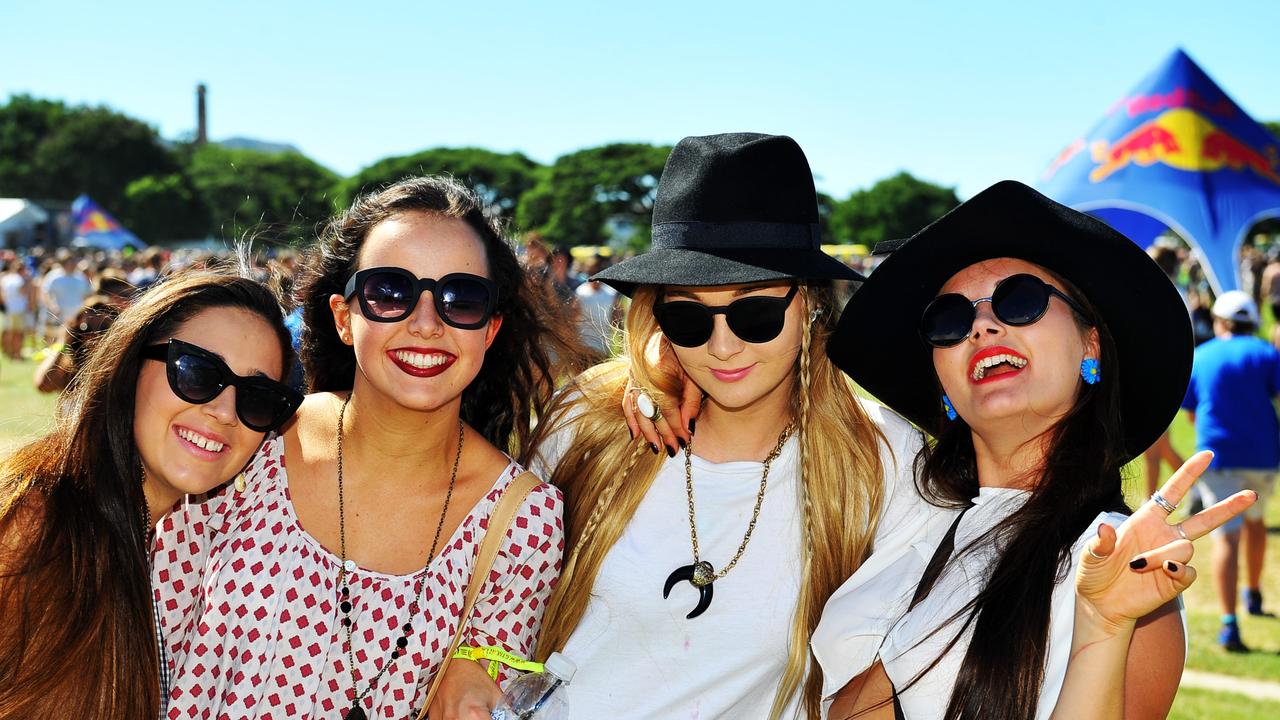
x: 24, y: 413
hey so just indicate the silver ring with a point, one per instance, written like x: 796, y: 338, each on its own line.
x: 1165, y: 505
x: 1182, y: 533
x: 647, y: 408
x: 1095, y: 555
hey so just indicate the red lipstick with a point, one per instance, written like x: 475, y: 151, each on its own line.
x: 421, y: 362
x: 980, y: 372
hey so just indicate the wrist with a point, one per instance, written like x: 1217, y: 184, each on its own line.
x: 1092, y: 625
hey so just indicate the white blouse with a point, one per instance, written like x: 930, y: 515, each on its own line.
x: 868, y: 617
x: 638, y: 656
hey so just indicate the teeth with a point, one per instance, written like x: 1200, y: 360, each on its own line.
x: 200, y: 441
x: 421, y: 360
x: 980, y: 370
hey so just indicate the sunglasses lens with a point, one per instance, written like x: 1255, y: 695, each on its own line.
x: 388, y: 295
x: 687, y: 324
x: 261, y: 406
x: 757, y: 319
x: 1020, y: 300
x: 196, y: 380
x: 947, y: 320
x: 464, y: 302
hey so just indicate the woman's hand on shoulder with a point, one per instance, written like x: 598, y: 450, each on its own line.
x: 465, y: 693
x: 1129, y: 572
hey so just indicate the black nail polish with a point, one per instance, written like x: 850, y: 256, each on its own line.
x: 1173, y: 566
x: 1138, y: 564
x: 681, y: 441
x: 693, y: 423
x: 654, y: 448
x: 671, y: 452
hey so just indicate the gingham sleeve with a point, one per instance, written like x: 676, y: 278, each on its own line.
x: 508, y: 612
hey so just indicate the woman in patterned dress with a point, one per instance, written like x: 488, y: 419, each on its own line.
x: 332, y: 585
x: 77, y: 505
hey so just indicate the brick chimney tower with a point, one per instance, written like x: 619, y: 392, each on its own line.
x: 202, y: 122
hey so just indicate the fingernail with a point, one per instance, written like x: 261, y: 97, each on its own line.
x: 1173, y: 566
x: 654, y: 448
x: 671, y: 452
x: 693, y: 423
x: 681, y: 441
x: 1138, y: 564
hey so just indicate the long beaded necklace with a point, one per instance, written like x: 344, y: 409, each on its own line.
x: 701, y: 574
x: 348, y: 566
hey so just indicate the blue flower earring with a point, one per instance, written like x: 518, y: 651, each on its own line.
x: 1090, y: 370
x: 946, y: 405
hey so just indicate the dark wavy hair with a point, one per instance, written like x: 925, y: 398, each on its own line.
x: 1003, y: 668
x: 533, y: 349
x: 78, y: 636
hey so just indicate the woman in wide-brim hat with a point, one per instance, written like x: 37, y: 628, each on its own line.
x: 1043, y: 351
x: 695, y: 578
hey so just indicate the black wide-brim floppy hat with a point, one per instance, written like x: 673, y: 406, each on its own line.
x: 732, y: 208
x: 878, y: 341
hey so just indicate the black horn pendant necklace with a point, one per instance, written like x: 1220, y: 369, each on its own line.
x: 700, y: 573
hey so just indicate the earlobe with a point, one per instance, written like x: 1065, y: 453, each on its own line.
x: 341, y: 317
x: 495, y: 323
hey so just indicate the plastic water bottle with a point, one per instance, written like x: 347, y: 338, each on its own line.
x: 539, y: 696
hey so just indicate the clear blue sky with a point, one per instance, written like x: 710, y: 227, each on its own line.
x: 959, y: 93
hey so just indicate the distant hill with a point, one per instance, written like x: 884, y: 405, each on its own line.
x: 243, y: 143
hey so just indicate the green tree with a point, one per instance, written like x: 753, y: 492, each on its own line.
x: 1274, y: 127
x: 500, y: 178
x: 893, y: 208
x: 53, y: 151
x: 24, y: 122
x: 164, y: 207
x: 584, y: 193
x: 279, y: 197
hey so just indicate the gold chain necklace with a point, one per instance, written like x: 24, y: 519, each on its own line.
x: 701, y: 574
x: 348, y: 566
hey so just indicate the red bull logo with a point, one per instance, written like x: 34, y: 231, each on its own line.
x: 95, y: 221
x: 1184, y: 139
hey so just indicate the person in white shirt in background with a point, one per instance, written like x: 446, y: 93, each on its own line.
x: 64, y: 290
x: 16, y: 291
x: 599, y: 311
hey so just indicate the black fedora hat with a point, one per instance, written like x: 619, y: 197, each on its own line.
x: 732, y: 208
x: 878, y: 341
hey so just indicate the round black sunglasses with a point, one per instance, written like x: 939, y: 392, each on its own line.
x: 198, y: 376
x: 1017, y: 300
x: 389, y: 294
x: 753, y: 319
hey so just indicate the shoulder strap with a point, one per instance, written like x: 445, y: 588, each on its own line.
x: 939, y: 559
x: 499, y: 520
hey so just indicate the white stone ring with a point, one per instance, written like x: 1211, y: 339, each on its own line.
x: 647, y: 408
x: 1165, y: 505
x: 1181, y: 533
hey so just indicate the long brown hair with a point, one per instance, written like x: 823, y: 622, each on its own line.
x: 532, y: 348
x: 78, y: 635
x: 840, y: 482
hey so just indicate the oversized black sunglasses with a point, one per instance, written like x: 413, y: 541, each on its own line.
x: 198, y: 376
x: 389, y: 294
x: 1017, y: 300
x: 754, y: 319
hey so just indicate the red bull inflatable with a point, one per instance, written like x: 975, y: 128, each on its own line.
x: 1178, y: 153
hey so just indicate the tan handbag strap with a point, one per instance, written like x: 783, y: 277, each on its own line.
x: 504, y: 512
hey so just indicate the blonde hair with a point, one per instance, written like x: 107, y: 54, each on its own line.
x: 840, y: 484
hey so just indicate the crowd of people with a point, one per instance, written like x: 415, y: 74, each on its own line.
x: 487, y: 454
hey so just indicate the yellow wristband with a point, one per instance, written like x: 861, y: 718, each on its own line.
x: 497, y: 656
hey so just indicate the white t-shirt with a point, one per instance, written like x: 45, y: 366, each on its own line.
x: 595, y: 325
x: 68, y: 291
x: 637, y: 654
x: 13, y: 290
x: 849, y: 638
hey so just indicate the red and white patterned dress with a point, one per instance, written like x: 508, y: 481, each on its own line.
x: 248, y: 603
